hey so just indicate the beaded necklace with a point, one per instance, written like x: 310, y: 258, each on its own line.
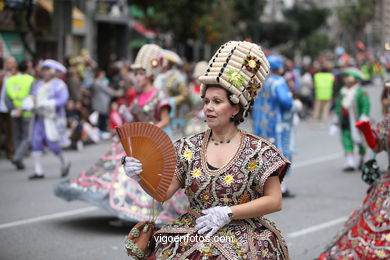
x: 217, y: 142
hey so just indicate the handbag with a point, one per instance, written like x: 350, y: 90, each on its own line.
x: 139, y: 242
x: 371, y: 170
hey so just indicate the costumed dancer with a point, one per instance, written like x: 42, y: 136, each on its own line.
x: 232, y: 178
x: 175, y: 85
x: 366, y: 234
x: 385, y: 98
x: 105, y: 184
x: 50, y: 95
x: 195, y: 119
x: 273, y: 112
x: 352, y: 105
x: 18, y: 88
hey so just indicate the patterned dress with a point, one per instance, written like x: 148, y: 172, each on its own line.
x: 366, y: 234
x: 106, y: 185
x: 240, y: 181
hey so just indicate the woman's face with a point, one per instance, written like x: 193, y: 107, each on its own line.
x: 217, y: 108
x: 141, y: 78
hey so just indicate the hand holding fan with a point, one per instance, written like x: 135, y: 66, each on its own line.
x: 154, y: 149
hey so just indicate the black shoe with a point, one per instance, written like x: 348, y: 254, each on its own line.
x: 348, y: 169
x: 36, y: 176
x: 19, y: 165
x: 65, y: 170
x: 287, y: 194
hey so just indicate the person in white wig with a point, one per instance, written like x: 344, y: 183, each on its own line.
x: 50, y: 95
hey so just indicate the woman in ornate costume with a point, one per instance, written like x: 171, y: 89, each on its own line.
x: 105, y: 184
x: 366, y: 234
x: 231, y: 178
x: 195, y: 119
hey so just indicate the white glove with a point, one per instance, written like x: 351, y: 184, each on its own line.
x: 214, y: 219
x: 132, y: 167
x: 364, y: 117
x: 297, y: 105
x: 28, y: 103
x: 333, y: 130
x: 126, y: 114
x: 122, y: 109
x: 49, y: 103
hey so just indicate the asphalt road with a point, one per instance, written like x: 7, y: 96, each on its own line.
x: 34, y: 224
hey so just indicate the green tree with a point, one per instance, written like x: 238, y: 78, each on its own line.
x: 210, y: 21
x: 246, y: 20
x: 306, y: 19
x: 300, y: 27
x: 314, y: 44
x: 353, y: 16
x: 176, y: 16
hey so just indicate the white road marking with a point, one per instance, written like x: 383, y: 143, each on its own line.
x: 321, y: 159
x: 316, y: 228
x: 47, y: 217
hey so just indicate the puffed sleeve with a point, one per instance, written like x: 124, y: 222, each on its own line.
x: 271, y: 162
x: 163, y: 102
x: 181, y: 162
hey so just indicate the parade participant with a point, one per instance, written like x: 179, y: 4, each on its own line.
x: 232, y: 178
x: 385, y: 98
x: 5, y: 117
x: 18, y: 89
x: 175, y: 85
x: 366, y: 234
x: 105, y: 184
x: 195, y: 119
x: 272, y: 113
x: 50, y: 95
x: 323, y: 93
x: 352, y: 105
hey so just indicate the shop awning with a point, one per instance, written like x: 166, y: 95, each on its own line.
x: 11, y: 45
x: 78, y: 18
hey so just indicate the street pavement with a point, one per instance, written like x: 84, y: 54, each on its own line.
x: 34, y: 224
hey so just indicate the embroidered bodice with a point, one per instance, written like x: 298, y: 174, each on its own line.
x: 240, y: 181
x: 150, y: 112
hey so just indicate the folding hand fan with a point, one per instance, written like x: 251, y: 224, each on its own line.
x: 153, y: 147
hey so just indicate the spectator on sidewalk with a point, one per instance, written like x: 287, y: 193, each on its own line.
x: 5, y: 118
x: 101, y: 97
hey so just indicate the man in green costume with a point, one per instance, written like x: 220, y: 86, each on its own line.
x: 352, y: 105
